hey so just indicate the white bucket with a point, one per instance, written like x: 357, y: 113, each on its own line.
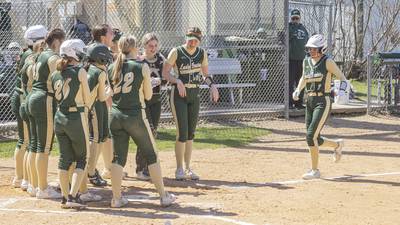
x: 342, y: 90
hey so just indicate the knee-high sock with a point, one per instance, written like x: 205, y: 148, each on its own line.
x: 314, y: 157
x: 71, y: 171
x: 25, y: 166
x: 63, y: 176
x: 32, y: 169
x: 188, y: 153
x: 77, y: 178
x: 329, y: 143
x: 19, y: 162
x: 83, y: 188
x: 108, y: 153
x: 116, y: 180
x: 42, y: 163
x: 156, y: 177
x: 94, y: 151
x: 179, y: 153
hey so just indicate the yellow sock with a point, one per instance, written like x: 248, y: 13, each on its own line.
x: 156, y: 178
x: 179, y: 153
x: 92, y: 157
x: 42, y: 162
x: 314, y: 157
x: 116, y: 180
x: 329, y: 143
x: 188, y: 153
x: 77, y: 178
x: 108, y: 154
x: 25, y: 166
x: 64, y: 182
x: 19, y: 162
x: 32, y: 169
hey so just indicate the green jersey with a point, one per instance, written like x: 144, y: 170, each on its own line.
x: 20, y: 65
x: 128, y: 94
x: 41, y: 72
x: 26, y: 75
x: 316, y: 75
x: 66, y: 85
x: 189, y: 66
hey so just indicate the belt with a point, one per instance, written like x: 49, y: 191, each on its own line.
x: 191, y: 85
x: 50, y: 94
x: 319, y: 94
x: 72, y: 109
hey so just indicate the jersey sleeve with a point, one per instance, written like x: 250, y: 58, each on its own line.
x: 332, y: 67
x: 147, y: 89
x: 172, y: 56
x: 101, y: 90
x: 82, y: 75
x: 205, y: 59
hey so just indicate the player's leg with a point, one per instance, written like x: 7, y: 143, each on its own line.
x: 179, y: 112
x: 140, y: 131
x: 193, y: 115
x: 120, y: 144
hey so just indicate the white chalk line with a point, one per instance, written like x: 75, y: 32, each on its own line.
x: 254, y: 185
x: 131, y: 198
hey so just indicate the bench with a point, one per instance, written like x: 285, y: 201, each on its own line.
x: 230, y: 67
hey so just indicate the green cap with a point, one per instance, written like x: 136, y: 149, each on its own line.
x: 295, y: 12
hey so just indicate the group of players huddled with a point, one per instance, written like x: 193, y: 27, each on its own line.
x: 94, y: 99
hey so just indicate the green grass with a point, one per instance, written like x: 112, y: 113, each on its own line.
x: 361, y: 88
x: 206, y: 138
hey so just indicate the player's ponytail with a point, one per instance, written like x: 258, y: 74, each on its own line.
x: 62, y: 63
x: 126, y: 44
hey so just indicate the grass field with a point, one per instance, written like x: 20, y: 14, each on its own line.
x: 361, y: 89
x: 206, y: 138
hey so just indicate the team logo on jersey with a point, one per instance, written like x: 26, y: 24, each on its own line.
x: 300, y: 34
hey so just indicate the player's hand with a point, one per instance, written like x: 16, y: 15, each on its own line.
x: 214, y: 93
x: 181, y: 88
x: 109, y: 102
x: 155, y: 81
x: 295, y: 95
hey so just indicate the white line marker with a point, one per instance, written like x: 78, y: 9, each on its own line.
x: 211, y: 217
x: 5, y: 202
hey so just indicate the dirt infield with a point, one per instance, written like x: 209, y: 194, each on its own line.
x: 256, y: 184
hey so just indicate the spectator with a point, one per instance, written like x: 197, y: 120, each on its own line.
x: 298, y: 37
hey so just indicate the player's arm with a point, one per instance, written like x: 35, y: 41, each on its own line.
x: 169, y: 63
x: 332, y: 67
x: 52, y: 63
x: 302, y: 81
x: 101, y: 90
x: 82, y: 76
x: 29, y: 73
x: 147, y: 89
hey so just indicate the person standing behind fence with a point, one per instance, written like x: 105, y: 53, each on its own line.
x: 37, y: 35
x: 131, y: 85
x: 298, y: 37
x: 318, y: 70
x: 71, y: 126
x: 155, y: 60
x: 42, y: 106
x: 190, y: 64
x: 21, y: 150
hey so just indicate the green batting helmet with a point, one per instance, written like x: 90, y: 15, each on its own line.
x: 99, y: 53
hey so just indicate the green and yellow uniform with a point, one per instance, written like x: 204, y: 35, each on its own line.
x: 26, y: 88
x: 99, y: 130
x: 153, y: 106
x: 187, y: 67
x: 128, y: 116
x: 16, y: 101
x: 41, y: 103
x: 71, y: 126
x: 317, y: 78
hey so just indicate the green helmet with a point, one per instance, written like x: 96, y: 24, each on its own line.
x: 100, y: 54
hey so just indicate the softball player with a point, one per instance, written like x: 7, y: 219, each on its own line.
x: 98, y: 58
x: 21, y: 153
x: 130, y: 81
x: 155, y: 60
x: 99, y: 120
x: 71, y: 91
x: 318, y: 70
x: 190, y: 64
x: 36, y: 34
x: 41, y: 108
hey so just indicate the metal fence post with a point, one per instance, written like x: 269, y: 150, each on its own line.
x: 369, y: 71
x: 286, y: 97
